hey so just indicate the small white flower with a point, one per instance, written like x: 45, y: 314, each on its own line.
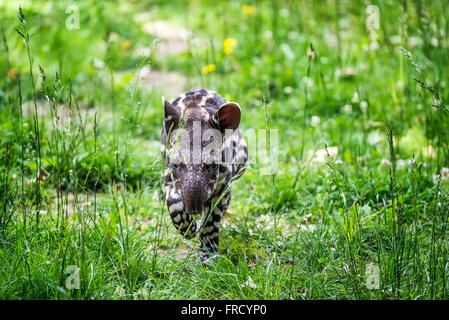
x: 308, y: 82
x: 144, y: 72
x: 355, y: 97
x: 99, y: 64
x: 288, y: 90
x: 374, y: 137
x: 434, y: 42
x: 445, y: 173
x: 349, y: 72
x: 414, y: 42
x: 315, y: 121
x: 145, y: 51
x: 374, y: 46
x: 268, y: 34
x: 113, y: 36
x: 385, y: 162
x: 249, y: 283
x: 331, y: 40
x: 284, y: 12
x: 308, y: 227
x: 347, y: 108
x: 372, y: 276
x: 310, y: 53
x: 293, y: 35
x: 321, y: 155
x: 338, y: 161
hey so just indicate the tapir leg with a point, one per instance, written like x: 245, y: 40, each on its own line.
x: 210, y: 227
x: 182, y: 220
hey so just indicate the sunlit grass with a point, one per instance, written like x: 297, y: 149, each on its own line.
x: 80, y: 165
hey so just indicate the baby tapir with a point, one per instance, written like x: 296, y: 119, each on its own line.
x: 203, y: 150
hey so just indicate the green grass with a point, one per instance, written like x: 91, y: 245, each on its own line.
x: 80, y: 167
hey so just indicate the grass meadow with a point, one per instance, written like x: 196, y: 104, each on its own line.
x: 356, y: 209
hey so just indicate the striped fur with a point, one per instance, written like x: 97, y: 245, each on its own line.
x: 210, y: 188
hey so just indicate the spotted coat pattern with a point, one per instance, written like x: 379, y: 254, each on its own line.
x: 203, y: 105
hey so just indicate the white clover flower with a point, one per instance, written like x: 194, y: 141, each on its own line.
x: 374, y: 46
x: 308, y: 227
x: 249, y: 283
x: 338, y: 161
x: 308, y: 82
x: 315, y: 121
x: 355, y: 97
x: 284, y: 12
x: 293, y: 35
x: 99, y: 64
x: 385, y: 162
x: 414, y: 42
x: 374, y: 137
x: 331, y: 40
x: 321, y: 155
x: 288, y: 90
x: 350, y: 72
x: 347, y: 108
x: 434, y: 42
x: 445, y: 173
x: 324, y: 60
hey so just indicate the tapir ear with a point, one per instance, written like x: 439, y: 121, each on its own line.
x: 228, y: 116
x: 171, y: 116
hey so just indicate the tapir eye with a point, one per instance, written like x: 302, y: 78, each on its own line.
x: 174, y: 166
x: 214, y: 166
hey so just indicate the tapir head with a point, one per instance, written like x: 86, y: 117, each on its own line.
x: 195, y: 140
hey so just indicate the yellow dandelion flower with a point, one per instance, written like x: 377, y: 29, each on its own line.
x: 125, y: 44
x: 229, y: 42
x: 228, y: 50
x: 209, y: 68
x: 249, y: 10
